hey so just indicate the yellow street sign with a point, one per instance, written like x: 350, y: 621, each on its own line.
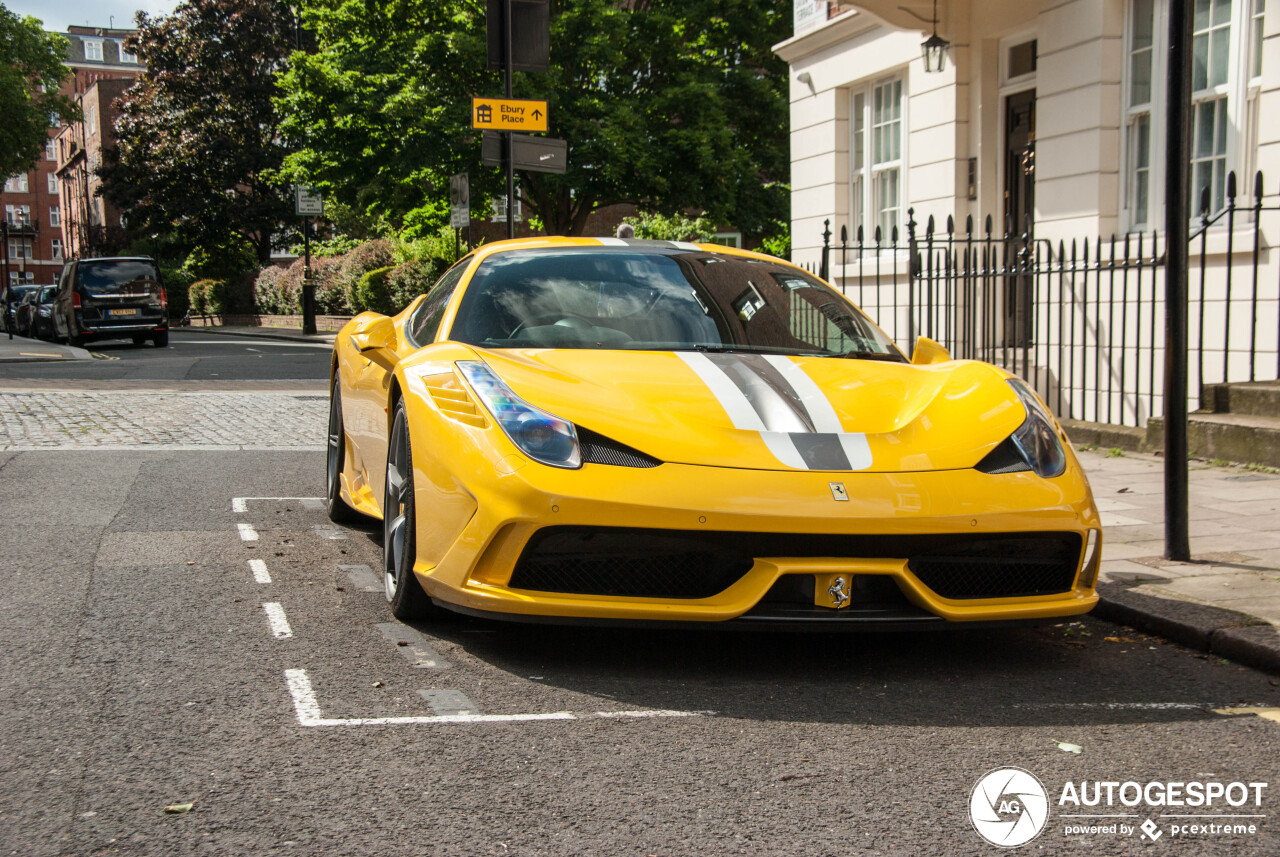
x: 508, y: 114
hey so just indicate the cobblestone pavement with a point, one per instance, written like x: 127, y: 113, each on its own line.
x: 142, y: 420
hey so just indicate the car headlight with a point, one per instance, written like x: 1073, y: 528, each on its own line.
x: 1036, y: 438
x: 542, y: 436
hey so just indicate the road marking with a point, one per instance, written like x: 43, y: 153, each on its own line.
x: 269, y: 343
x: 279, y: 622
x: 247, y: 532
x: 1126, y: 706
x: 327, y: 531
x: 363, y: 578
x: 449, y: 702
x: 307, y: 709
x: 1265, y: 713
x: 417, y: 650
x: 260, y: 573
x: 652, y: 712
x: 241, y: 504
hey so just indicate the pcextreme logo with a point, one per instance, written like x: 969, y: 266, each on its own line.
x: 1009, y: 807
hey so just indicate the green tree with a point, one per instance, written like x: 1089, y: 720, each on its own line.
x: 199, y: 145
x: 667, y: 104
x: 31, y: 74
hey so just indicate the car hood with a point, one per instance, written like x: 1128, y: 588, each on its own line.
x: 773, y: 412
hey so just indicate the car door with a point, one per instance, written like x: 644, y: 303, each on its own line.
x: 62, y: 307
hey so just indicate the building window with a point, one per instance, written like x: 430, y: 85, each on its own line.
x: 55, y: 216
x: 53, y: 183
x: 499, y: 204
x: 18, y: 215
x: 93, y: 49
x: 876, y: 147
x: 22, y: 278
x: 50, y: 151
x: 17, y: 184
x: 727, y: 239
x: 91, y: 117
x: 19, y: 248
x: 1223, y: 100
x: 126, y: 55
x: 55, y: 247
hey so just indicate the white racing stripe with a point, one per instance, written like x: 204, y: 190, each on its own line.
x: 612, y: 242
x: 307, y: 710
x: 740, y: 412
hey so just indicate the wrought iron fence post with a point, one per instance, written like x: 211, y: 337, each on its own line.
x: 825, y: 267
x: 913, y: 271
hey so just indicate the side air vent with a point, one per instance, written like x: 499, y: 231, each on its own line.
x: 598, y: 449
x: 1005, y: 458
x: 453, y: 401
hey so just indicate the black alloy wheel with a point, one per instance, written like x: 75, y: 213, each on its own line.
x: 339, y: 511
x: 399, y: 531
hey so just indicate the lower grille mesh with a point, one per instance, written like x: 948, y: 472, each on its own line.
x: 697, y: 564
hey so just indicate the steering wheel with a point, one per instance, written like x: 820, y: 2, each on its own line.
x: 561, y: 319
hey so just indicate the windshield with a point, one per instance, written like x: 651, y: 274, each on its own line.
x: 117, y: 275
x: 660, y: 300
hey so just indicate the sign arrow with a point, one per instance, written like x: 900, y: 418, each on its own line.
x: 537, y: 114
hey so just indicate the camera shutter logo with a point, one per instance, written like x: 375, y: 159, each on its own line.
x: 1009, y: 807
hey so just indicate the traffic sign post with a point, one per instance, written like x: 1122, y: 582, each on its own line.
x: 460, y: 209
x: 307, y: 202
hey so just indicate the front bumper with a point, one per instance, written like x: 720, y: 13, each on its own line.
x: 499, y: 502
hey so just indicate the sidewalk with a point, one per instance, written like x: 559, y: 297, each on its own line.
x: 288, y: 333
x: 23, y: 350
x: 1227, y: 599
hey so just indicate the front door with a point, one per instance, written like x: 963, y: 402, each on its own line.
x: 1019, y: 212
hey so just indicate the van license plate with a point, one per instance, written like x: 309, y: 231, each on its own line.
x: 115, y: 312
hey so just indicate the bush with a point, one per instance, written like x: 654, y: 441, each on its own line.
x: 208, y: 297
x: 373, y: 292
x: 675, y: 228
x: 273, y: 293
x: 405, y: 282
x: 367, y: 257
x: 176, y: 284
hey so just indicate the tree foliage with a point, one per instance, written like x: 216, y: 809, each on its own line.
x: 32, y: 70
x: 199, y: 144
x: 667, y: 104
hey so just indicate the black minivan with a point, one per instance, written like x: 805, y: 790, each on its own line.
x: 117, y: 297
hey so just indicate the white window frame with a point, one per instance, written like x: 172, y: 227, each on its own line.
x: 499, y: 204
x: 55, y: 215
x: 55, y: 249
x: 728, y: 239
x: 1240, y: 91
x: 51, y: 181
x: 92, y: 50
x: 18, y: 215
x: 50, y: 151
x: 865, y: 208
x: 125, y: 55
x: 17, y: 184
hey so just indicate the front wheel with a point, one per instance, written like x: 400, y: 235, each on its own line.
x: 399, y: 531
x: 339, y: 511
x: 161, y: 339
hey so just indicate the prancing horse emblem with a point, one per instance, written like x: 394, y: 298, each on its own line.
x: 837, y: 491
x: 839, y: 595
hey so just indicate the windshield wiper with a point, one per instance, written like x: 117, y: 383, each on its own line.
x: 874, y: 355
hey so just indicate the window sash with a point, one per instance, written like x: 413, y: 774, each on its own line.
x: 877, y: 124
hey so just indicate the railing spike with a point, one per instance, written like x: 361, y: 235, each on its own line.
x: 989, y: 225
x: 1204, y: 204
x: 877, y: 236
x: 1231, y: 186
x: 968, y: 224
x: 951, y: 225
x: 844, y: 234
x: 893, y: 234
x: 929, y: 227
x: 1257, y: 186
x: 860, y: 233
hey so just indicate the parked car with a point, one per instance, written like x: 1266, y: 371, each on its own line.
x: 117, y: 297
x: 10, y: 299
x: 605, y: 430
x: 23, y: 312
x: 40, y: 323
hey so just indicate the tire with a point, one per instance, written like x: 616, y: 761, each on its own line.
x: 399, y: 530
x: 335, y: 460
x: 139, y: 340
x: 161, y: 339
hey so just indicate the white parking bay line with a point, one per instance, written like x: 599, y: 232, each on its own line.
x: 328, y: 531
x: 413, y: 646
x: 307, y: 709
x: 260, y: 573
x: 241, y: 504
x: 247, y: 532
x: 279, y: 622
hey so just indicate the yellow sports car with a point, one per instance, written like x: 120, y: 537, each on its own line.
x: 649, y: 431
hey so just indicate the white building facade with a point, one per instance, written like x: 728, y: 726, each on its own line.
x: 1049, y: 119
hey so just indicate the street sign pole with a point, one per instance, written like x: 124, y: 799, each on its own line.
x: 4, y: 287
x: 308, y: 285
x: 1177, y: 543
x: 507, y: 62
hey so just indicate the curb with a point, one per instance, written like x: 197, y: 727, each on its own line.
x: 262, y: 333
x: 75, y: 355
x: 1226, y: 633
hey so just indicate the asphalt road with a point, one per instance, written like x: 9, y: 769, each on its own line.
x: 148, y: 662
x: 192, y: 355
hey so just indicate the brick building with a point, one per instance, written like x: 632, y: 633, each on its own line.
x: 37, y: 205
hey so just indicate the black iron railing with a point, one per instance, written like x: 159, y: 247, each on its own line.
x: 1081, y: 320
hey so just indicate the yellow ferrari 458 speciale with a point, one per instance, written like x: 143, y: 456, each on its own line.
x: 650, y: 431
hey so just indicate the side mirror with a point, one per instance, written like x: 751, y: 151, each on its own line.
x: 928, y: 352
x: 377, y: 332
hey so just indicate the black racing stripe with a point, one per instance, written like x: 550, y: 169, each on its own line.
x: 821, y: 451
x: 765, y: 389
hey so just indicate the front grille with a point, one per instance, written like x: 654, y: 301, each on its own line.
x: 636, y: 563
x: 699, y: 564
